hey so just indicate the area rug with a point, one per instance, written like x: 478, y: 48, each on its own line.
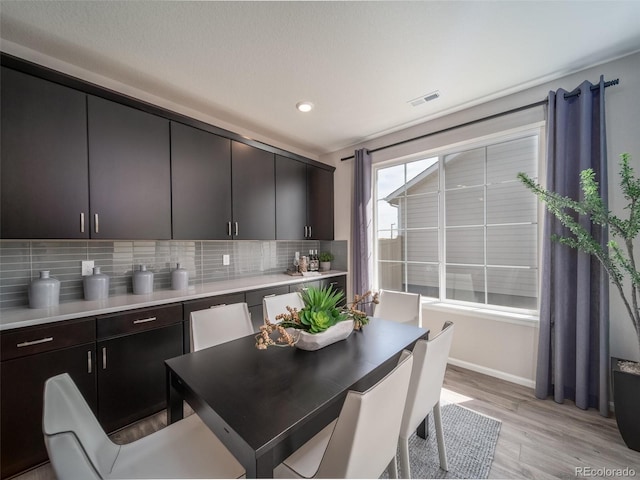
x: 470, y: 439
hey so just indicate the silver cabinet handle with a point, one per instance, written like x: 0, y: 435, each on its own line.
x: 333, y: 284
x: 229, y: 228
x: 97, y: 222
x: 218, y: 305
x: 35, y: 342
x: 104, y: 358
x: 81, y: 222
x: 144, y: 320
x: 89, y: 365
x: 310, y: 234
x: 236, y: 234
x: 306, y: 234
x: 269, y: 296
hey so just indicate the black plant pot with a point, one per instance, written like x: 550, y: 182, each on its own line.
x: 626, y: 398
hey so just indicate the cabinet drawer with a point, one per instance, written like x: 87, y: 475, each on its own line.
x: 31, y: 340
x: 138, y: 320
x: 195, y: 305
x: 255, y: 296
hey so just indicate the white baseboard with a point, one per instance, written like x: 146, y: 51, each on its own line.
x: 526, y: 382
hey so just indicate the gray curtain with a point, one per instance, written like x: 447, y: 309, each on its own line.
x: 362, y: 223
x: 573, y: 350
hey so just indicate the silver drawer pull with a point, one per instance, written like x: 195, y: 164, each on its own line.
x: 89, y: 365
x: 236, y: 234
x: 269, y: 296
x: 96, y: 222
x: 219, y: 305
x: 144, y: 320
x: 104, y: 358
x: 229, y: 229
x: 81, y: 222
x: 35, y: 342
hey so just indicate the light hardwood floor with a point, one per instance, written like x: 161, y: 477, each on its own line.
x: 538, y: 439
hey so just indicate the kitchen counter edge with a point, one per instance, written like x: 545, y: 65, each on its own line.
x: 20, y: 317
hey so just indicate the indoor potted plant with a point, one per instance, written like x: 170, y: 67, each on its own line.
x: 620, y: 264
x: 319, y: 323
x: 325, y: 261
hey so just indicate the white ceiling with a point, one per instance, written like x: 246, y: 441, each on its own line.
x: 248, y: 63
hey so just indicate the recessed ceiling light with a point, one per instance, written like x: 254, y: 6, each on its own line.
x: 304, y: 106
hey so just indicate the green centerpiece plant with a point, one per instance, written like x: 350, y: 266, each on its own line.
x: 322, y: 310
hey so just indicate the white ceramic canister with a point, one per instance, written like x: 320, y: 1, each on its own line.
x: 96, y: 286
x: 180, y: 278
x: 142, y: 281
x: 44, y: 291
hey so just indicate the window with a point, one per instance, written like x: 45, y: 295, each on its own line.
x: 459, y: 226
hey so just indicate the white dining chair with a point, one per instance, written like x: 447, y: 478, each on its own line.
x: 429, y: 366
x: 399, y: 307
x: 362, y: 442
x: 219, y: 324
x: 276, y: 304
x: 78, y: 447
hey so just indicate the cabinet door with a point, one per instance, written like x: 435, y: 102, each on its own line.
x: 22, y: 379
x: 45, y: 180
x: 130, y: 181
x: 320, y: 202
x: 253, y: 187
x: 132, y: 376
x: 200, y: 184
x: 291, y: 199
x: 338, y: 283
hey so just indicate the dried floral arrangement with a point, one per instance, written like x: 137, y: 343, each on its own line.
x: 321, y: 311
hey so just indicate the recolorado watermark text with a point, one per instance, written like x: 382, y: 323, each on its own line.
x: 627, y: 472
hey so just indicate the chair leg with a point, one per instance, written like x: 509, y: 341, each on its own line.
x: 392, y: 469
x: 405, y: 469
x: 442, y: 452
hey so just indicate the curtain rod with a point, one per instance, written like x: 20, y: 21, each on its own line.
x: 575, y: 93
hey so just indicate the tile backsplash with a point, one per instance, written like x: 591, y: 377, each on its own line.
x: 22, y: 260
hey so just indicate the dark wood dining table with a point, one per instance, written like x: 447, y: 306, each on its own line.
x: 265, y: 404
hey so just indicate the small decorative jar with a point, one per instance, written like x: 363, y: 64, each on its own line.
x: 180, y: 278
x: 44, y: 291
x: 96, y: 286
x: 304, y: 263
x: 142, y: 281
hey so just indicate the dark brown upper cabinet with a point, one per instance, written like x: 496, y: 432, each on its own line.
x: 291, y: 199
x: 130, y: 172
x: 44, y: 166
x: 304, y: 201
x: 200, y: 184
x: 253, y: 193
x: 320, y: 203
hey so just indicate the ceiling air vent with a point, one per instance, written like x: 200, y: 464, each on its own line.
x: 424, y: 98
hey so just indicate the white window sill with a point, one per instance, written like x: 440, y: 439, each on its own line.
x: 496, y: 315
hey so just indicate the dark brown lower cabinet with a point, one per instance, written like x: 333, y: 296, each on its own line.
x: 131, y: 371
x: 22, y: 380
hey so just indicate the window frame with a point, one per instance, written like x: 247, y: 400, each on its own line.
x: 533, y: 129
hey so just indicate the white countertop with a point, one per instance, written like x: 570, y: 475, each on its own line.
x: 26, y: 317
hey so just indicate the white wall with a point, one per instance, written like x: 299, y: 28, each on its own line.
x: 512, y: 350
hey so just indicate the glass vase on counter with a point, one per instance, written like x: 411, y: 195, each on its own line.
x: 44, y: 291
x: 142, y: 281
x: 179, y: 278
x: 96, y: 286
